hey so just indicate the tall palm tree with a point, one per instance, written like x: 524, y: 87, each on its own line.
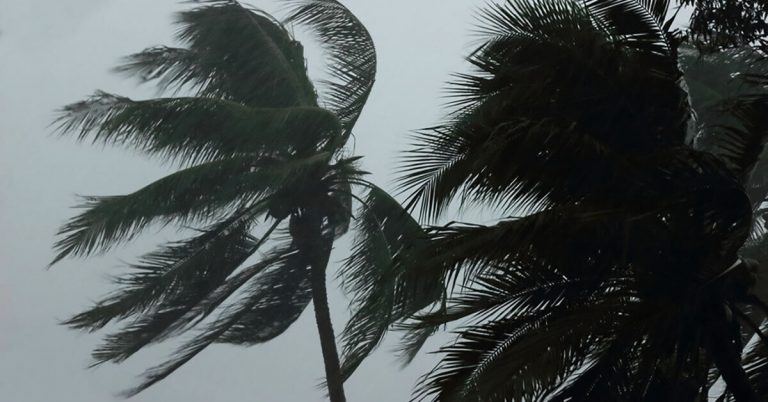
x: 622, y: 279
x: 262, y: 164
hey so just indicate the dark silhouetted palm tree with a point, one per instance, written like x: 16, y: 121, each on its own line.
x: 622, y: 280
x: 263, y: 165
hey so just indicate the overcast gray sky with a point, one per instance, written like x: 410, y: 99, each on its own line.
x: 54, y: 52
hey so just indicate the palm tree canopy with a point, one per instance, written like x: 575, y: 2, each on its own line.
x: 260, y: 154
x: 622, y: 280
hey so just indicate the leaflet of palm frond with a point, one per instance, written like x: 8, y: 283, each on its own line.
x: 233, y: 52
x: 284, y: 292
x: 640, y: 23
x: 194, y: 130
x: 201, y: 193
x: 161, y: 276
x: 524, y: 163
x: 521, y: 358
x: 259, y: 298
x: 169, y: 284
x: 518, y: 290
x: 352, y: 63
x: 755, y: 362
x: 582, y: 237
x: 374, y: 275
x: 606, y: 375
x: 741, y: 146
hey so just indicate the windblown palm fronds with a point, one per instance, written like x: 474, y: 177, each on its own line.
x: 263, y: 172
x: 622, y: 280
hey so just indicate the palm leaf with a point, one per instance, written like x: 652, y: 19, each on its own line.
x: 272, y: 301
x: 194, y: 130
x: 741, y: 146
x: 553, y: 85
x: 201, y: 193
x: 352, y: 63
x: 233, y: 52
x: 173, y: 271
x: 169, y: 284
x: 385, y: 244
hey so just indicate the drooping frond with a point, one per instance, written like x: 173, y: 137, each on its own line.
x: 741, y: 147
x: 387, y: 239
x: 639, y: 22
x: 164, y: 289
x: 197, y: 194
x: 233, y: 52
x: 556, y: 87
x: 170, y: 272
x: 272, y: 301
x: 198, y: 129
x: 520, y: 358
x: 284, y: 294
x: 352, y: 63
x: 755, y: 362
x: 170, y: 68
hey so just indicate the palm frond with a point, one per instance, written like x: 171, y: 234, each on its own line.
x: 386, y: 241
x: 232, y: 52
x: 640, y: 22
x: 272, y: 301
x: 755, y: 362
x: 741, y: 146
x: 200, y: 193
x: 352, y: 63
x: 167, y: 312
x: 186, y: 268
x: 194, y: 130
x: 553, y: 85
x: 517, y: 359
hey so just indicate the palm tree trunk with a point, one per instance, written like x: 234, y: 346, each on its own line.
x: 325, y: 329
x: 317, y: 248
x: 728, y: 360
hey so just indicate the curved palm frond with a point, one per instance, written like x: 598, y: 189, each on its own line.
x: 386, y: 239
x: 522, y: 356
x: 233, y: 52
x: 169, y: 284
x: 195, y: 130
x: 554, y: 84
x: 741, y: 146
x: 273, y: 299
x: 171, y: 272
x: 352, y: 64
x: 200, y: 193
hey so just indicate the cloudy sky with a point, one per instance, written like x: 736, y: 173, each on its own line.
x: 55, y: 52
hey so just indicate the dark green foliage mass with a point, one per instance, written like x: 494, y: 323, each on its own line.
x: 263, y: 175
x: 625, y: 276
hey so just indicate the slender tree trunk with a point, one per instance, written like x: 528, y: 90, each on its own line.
x: 728, y: 360
x: 318, y: 251
x: 327, y: 339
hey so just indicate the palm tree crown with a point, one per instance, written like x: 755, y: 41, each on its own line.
x: 262, y: 165
x: 622, y: 280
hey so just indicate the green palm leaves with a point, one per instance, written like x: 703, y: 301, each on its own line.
x: 263, y: 172
x: 622, y: 279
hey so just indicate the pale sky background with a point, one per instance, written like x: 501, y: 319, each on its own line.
x: 55, y: 52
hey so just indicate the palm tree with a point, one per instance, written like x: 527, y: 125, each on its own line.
x: 622, y: 279
x: 262, y: 164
